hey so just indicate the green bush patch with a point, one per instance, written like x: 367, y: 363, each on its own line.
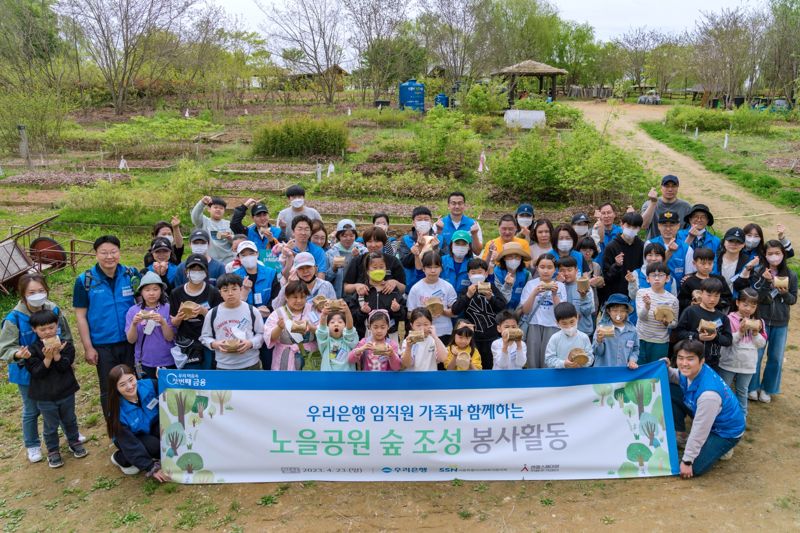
x: 300, y: 137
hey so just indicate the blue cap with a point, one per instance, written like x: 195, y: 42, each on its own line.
x: 618, y: 299
x: 669, y: 178
x: 526, y: 209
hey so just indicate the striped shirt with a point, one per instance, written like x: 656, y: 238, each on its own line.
x: 648, y: 328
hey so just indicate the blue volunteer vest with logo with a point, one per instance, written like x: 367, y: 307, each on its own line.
x: 107, y: 306
x: 449, y: 229
x: 707, y: 240
x: 412, y: 274
x: 261, y: 293
x: 17, y: 373
x: 139, y: 417
x: 456, y: 273
x: 729, y: 423
x: 521, y: 277
x: 677, y: 261
x: 262, y: 243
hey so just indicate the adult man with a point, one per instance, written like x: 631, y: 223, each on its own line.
x: 296, y: 195
x: 421, y: 218
x: 260, y: 232
x: 199, y: 240
x: 101, y: 297
x: 300, y: 242
x: 217, y: 227
x: 655, y: 205
x: 696, y: 235
x: 457, y: 220
x: 604, y: 228
x: 507, y: 228
x: 718, y: 422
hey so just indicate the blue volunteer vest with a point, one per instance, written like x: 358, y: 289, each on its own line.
x: 17, y: 373
x: 707, y: 240
x: 412, y: 274
x: 139, y: 417
x: 107, y: 306
x: 456, y: 273
x: 521, y: 277
x: 262, y: 243
x: 172, y: 272
x: 729, y: 423
x: 449, y: 229
x: 677, y: 261
x: 261, y: 293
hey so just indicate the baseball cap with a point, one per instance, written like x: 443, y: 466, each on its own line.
x: 669, y: 217
x: 345, y: 224
x: 669, y: 178
x: 258, y: 208
x: 160, y: 243
x: 526, y: 209
x: 580, y: 218
x: 246, y: 245
x: 303, y: 259
x: 734, y: 234
x: 461, y: 235
x: 200, y: 235
x: 196, y: 260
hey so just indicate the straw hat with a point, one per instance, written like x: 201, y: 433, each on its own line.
x: 513, y: 248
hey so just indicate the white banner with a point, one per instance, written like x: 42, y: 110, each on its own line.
x: 252, y: 426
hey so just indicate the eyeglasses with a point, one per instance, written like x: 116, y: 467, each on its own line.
x: 657, y: 275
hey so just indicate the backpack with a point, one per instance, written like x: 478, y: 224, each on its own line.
x: 214, y: 317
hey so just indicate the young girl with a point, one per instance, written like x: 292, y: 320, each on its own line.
x: 149, y: 328
x: 541, y: 238
x: 754, y: 241
x: 423, y: 355
x: 290, y: 349
x: 463, y: 341
x: 773, y: 308
x: 564, y: 241
x: 376, y: 352
x: 510, y: 274
x: 738, y: 361
x: 454, y: 265
x: 588, y: 249
x: 336, y: 337
x: 538, y: 302
x: 432, y: 286
x: 378, y: 297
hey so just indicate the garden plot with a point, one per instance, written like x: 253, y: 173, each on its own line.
x: 277, y: 186
x: 133, y: 164
x: 63, y: 178
x: 784, y: 164
x: 372, y: 169
x: 35, y: 162
x: 288, y: 169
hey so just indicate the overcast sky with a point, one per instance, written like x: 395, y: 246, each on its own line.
x: 609, y: 17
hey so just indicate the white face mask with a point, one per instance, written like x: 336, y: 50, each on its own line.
x: 525, y: 222
x: 772, y: 259
x: 197, y: 276
x: 37, y: 299
x: 570, y: 332
x: 630, y: 233
x: 200, y: 249
x: 423, y: 227
x: 384, y: 227
x: 618, y: 318
x: 751, y: 242
x: 477, y: 278
x: 565, y: 245
x: 170, y: 238
x: 581, y: 230
x: 513, y: 264
x: 459, y: 252
x: 297, y: 203
x: 249, y: 261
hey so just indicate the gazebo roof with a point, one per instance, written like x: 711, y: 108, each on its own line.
x: 529, y: 68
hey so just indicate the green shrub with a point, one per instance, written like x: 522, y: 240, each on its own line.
x: 697, y: 117
x: 557, y: 115
x: 484, y: 125
x: 108, y: 203
x: 189, y: 185
x: 484, y: 99
x: 41, y: 111
x: 411, y: 184
x: 746, y: 120
x: 444, y: 146
x: 300, y: 137
x: 163, y: 126
x: 530, y: 170
x: 387, y: 117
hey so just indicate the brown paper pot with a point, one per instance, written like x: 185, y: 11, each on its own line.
x: 230, y: 344
x: 319, y: 302
x: 462, y: 360
x: 52, y: 341
x: 338, y: 261
x: 299, y: 327
x: 427, y: 245
x: 579, y: 357
x: 190, y: 309
x: 583, y: 284
x: 485, y: 287
x: 781, y: 282
x: 548, y: 285
x: 337, y: 305
x: 607, y: 331
x: 415, y: 336
x: 696, y: 296
x: 382, y: 350
x: 513, y: 334
x: 751, y: 325
x: 435, y: 306
x: 707, y: 326
x: 664, y: 313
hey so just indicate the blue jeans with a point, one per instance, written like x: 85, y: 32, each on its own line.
x: 776, y: 343
x: 59, y: 412
x: 30, y: 419
x: 742, y: 382
x: 650, y: 352
x: 714, y: 448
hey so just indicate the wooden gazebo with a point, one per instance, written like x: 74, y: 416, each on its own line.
x: 530, y: 68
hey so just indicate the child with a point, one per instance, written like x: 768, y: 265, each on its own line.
x: 561, y: 344
x: 731, y: 258
x: 377, y: 341
x: 588, y: 249
x: 345, y: 248
x: 290, y: 347
x: 377, y: 297
x: 623, y: 254
x: 583, y: 301
x: 304, y: 268
x: 738, y: 361
x: 455, y: 263
x: 622, y: 347
x: 425, y: 354
x: 654, y: 333
x: 480, y: 309
x: 689, y: 321
x: 508, y: 355
x: 53, y: 385
x: 233, y: 329
x: 410, y: 245
x: 463, y: 341
x: 704, y: 264
x: 218, y: 228
x: 336, y: 337
x: 774, y: 301
x: 653, y: 253
x: 538, y: 301
x: 432, y: 286
x: 149, y: 329
x: 510, y: 274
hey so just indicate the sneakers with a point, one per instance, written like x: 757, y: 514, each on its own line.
x: 727, y: 455
x: 127, y: 470
x: 78, y: 450
x: 763, y: 397
x: 753, y: 396
x: 54, y: 460
x: 35, y: 454
x: 82, y: 438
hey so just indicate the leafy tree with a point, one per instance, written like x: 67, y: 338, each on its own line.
x: 648, y: 425
x: 32, y: 53
x: 200, y: 404
x: 203, y: 476
x: 659, y: 462
x: 781, y: 63
x: 212, y: 411
x: 179, y: 403
x: 619, y: 395
x: 636, y: 452
x: 627, y: 469
x: 175, y: 437
x: 629, y: 410
x: 517, y: 30
x: 658, y: 412
x: 221, y: 397
x: 194, y: 419
x: 639, y: 392
x: 575, y: 50
x: 636, y: 44
x: 484, y: 99
x: 602, y: 390
x: 190, y: 462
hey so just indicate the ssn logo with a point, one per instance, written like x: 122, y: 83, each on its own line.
x: 449, y: 469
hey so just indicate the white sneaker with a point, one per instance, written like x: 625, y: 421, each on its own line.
x: 763, y: 397
x: 727, y: 455
x: 127, y: 470
x: 34, y: 454
x: 753, y: 395
x: 82, y: 438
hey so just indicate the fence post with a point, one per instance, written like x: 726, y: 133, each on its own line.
x: 24, y: 152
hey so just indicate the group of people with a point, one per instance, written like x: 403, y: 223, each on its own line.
x: 290, y: 296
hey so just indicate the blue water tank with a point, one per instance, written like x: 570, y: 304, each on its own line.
x: 412, y: 95
x: 442, y: 100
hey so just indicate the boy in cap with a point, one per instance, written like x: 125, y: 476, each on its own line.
x: 199, y: 242
x: 655, y: 205
x: 697, y: 234
x: 260, y: 232
x: 217, y: 227
x: 161, y: 252
x: 679, y: 255
x: 296, y: 195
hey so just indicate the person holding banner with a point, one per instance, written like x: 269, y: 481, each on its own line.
x: 717, y: 419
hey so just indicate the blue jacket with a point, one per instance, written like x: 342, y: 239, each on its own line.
x: 730, y: 422
x: 448, y: 230
x: 172, y: 273
x: 521, y: 277
x: 139, y: 417
x: 264, y: 245
x: 261, y: 293
x: 412, y: 274
x: 17, y: 373
x: 107, y: 306
x: 677, y: 260
x: 578, y: 259
x: 215, y: 270
x: 619, y: 349
x: 707, y: 240
x: 585, y: 307
x: 456, y: 273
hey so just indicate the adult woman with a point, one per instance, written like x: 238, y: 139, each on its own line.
x: 454, y: 264
x: 319, y: 235
x: 381, y: 220
x: 172, y: 232
x: 132, y: 423
x: 355, y: 277
x: 15, y: 337
x: 564, y: 242
x: 541, y: 243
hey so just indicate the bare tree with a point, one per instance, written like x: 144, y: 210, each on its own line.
x: 669, y: 59
x: 314, y: 31
x: 636, y: 45
x: 782, y: 54
x: 118, y: 36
